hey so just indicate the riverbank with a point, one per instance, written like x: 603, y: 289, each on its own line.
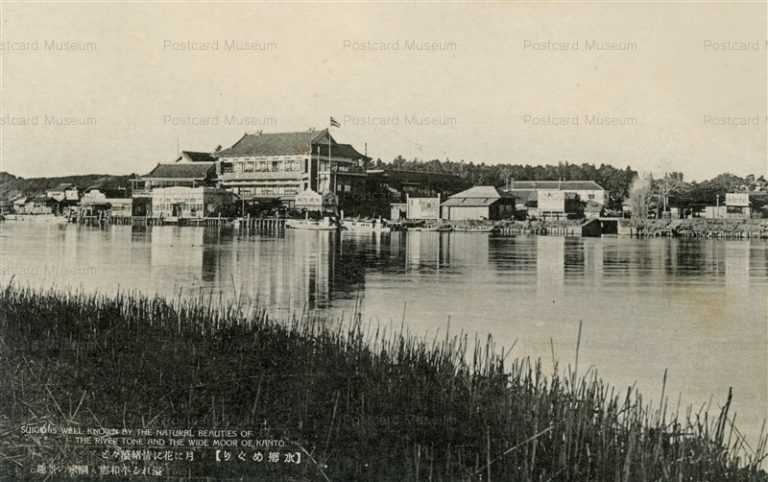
x: 357, y: 402
x: 704, y: 228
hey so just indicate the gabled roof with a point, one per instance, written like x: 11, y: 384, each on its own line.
x: 561, y: 185
x: 276, y: 143
x: 197, y: 170
x: 346, y: 151
x: 478, y: 192
x: 193, y: 156
x: 476, y: 196
x: 470, y: 201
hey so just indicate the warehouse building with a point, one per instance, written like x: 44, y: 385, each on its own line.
x: 478, y: 203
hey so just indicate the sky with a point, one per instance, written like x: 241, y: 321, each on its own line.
x: 108, y: 88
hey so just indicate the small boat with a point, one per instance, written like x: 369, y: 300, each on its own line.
x: 441, y: 228
x: 365, y: 225
x: 474, y: 228
x: 325, y: 224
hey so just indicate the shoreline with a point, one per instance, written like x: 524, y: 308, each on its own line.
x: 692, y: 228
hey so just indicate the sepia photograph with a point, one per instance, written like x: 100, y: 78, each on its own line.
x: 384, y: 241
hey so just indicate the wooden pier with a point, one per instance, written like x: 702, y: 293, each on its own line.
x: 262, y: 225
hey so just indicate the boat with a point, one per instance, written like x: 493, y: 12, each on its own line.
x: 441, y: 228
x: 325, y: 224
x: 37, y: 218
x: 474, y: 228
x: 365, y: 225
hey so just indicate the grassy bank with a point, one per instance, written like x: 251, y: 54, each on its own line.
x: 359, y: 403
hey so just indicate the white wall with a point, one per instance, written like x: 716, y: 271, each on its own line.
x: 459, y: 213
x: 551, y: 200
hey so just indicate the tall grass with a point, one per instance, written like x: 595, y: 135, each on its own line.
x: 362, y: 402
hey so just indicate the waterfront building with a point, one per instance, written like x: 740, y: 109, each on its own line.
x: 269, y: 166
x: 737, y: 205
x: 388, y: 190
x: 422, y: 207
x: 189, y: 202
x: 64, y: 192
x: 313, y: 201
x: 189, y: 175
x: 17, y: 204
x: 108, y: 196
x: 585, y: 190
x: 39, y: 204
x: 477, y: 203
x: 398, y: 211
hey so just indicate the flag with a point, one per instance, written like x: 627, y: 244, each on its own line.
x: 334, y: 122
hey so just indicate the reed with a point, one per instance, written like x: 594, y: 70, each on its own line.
x: 362, y: 402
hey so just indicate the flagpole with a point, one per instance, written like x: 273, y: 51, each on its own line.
x: 330, y: 162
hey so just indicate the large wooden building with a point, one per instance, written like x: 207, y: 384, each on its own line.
x: 269, y: 166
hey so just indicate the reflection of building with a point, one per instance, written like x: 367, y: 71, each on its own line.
x: 550, y: 262
x: 281, y: 165
x: 479, y: 202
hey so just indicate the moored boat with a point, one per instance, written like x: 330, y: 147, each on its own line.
x: 474, y: 228
x: 441, y: 228
x: 365, y: 225
x: 325, y: 224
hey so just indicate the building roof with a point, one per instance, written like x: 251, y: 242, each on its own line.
x: 193, y: 156
x: 561, y: 185
x: 470, y: 201
x: 340, y: 150
x: 276, y: 143
x: 476, y: 196
x: 197, y: 170
x: 479, y: 192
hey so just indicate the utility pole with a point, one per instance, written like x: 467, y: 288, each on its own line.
x: 717, y: 205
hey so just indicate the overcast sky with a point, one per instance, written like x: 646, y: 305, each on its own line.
x: 112, y: 89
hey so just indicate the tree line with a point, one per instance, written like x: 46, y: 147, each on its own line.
x: 617, y: 181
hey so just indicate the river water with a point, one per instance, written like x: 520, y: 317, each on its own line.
x: 696, y: 308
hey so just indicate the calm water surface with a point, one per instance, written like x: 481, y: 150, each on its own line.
x: 697, y: 308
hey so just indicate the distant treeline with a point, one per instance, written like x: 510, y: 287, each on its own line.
x: 12, y: 186
x: 617, y: 181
